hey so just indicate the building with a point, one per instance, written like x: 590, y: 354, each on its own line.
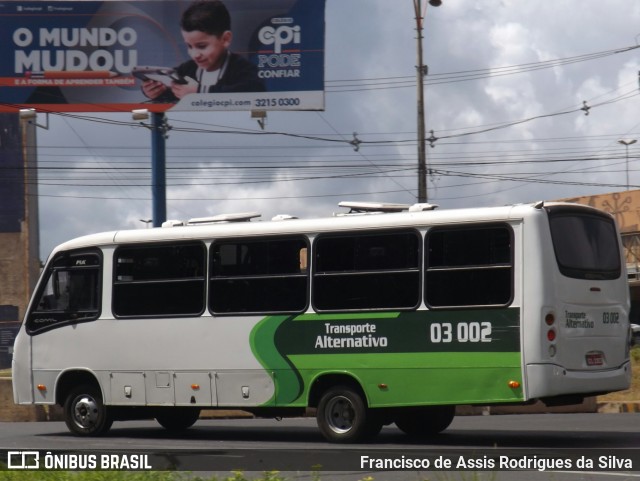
x: 625, y: 207
x: 19, y: 229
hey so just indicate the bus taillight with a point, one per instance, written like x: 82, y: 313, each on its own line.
x: 549, y: 319
x: 551, y: 335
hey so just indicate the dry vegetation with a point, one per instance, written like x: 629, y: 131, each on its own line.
x: 632, y: 394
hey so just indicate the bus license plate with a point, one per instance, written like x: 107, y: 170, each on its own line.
x: 595, y: 359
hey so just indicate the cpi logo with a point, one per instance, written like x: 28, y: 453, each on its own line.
x: 23, y: 460
x: 279, y: 36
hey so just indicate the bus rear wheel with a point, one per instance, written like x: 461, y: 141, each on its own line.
x: 424, y: 420
x: 343, y: 416
x: 178, y: 419
x: 85, y: 413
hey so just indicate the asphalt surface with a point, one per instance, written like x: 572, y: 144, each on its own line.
x: 508, y: 447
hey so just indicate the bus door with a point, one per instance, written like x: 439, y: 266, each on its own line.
x: 69, y: 293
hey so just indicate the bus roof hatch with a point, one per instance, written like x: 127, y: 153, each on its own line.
x: 363, y: 207
x: 237, y: 217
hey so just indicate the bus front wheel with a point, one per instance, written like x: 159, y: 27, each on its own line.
x: 343, y: 416
x: 424, y: 420
x: 85, y: 413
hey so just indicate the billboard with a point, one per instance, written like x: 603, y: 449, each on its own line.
x: 89, y: 56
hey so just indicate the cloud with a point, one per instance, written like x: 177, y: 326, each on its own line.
x: 376, y: 39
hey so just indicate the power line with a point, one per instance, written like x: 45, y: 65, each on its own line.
x: 356, y: 85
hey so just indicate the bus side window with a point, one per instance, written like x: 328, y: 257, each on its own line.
x: 367, y: 271
x: 159, y: 280
x: 470, y: 266
x: 258, y: 276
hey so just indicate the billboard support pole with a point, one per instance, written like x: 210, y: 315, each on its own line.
x: 158, y: 168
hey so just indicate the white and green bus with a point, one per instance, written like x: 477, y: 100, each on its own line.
x: 389, y: 313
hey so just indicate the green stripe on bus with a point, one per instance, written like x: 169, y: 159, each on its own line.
x: 411, y: 360
x: 471, y: 330
x: 416, y: 379
x: 472, y: 347
x: 289, y: 383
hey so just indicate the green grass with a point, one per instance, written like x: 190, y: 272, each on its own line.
x: 136, y: 476
x: 233, y: 476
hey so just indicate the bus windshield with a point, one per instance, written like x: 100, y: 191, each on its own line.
x: 70, y: 294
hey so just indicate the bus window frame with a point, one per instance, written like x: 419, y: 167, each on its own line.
x: 304, y: 273
x: 466, y: 227
x: 362, y: 272
x: 155, y: 245
x: 62, y: 261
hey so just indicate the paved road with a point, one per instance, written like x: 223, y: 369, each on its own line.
x: 294, y: 445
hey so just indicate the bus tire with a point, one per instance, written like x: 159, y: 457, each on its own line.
x: 343, y: 416
x: 424, y: 420
x: 178, y: 419
x: 85, y: 413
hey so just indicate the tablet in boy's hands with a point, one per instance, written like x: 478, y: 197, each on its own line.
x: 165, y: 75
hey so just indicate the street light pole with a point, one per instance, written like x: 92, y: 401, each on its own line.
x: 421, y: 72
x: 627, y: 143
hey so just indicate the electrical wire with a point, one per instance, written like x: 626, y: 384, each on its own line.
x: 357, y: 85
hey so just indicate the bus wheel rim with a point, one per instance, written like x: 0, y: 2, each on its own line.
x: 340, y: 414
x: 85, y: 411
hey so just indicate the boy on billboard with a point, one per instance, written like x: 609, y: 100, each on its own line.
x: 206, y: 30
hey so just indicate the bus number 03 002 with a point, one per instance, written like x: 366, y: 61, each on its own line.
x: 442, y: 332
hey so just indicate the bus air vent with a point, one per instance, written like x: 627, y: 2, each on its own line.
x: 422, y: 207
x: 216, y: 219
x: 172, y: 223
x: 373, y: 207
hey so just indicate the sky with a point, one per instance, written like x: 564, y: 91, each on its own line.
x: 506, y: 83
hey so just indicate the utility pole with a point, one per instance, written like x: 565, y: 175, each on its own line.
x: 158, y: 168
x: 159, y: 128
x: 421, y: 72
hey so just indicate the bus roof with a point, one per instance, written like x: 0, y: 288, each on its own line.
x: 235, y: 225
